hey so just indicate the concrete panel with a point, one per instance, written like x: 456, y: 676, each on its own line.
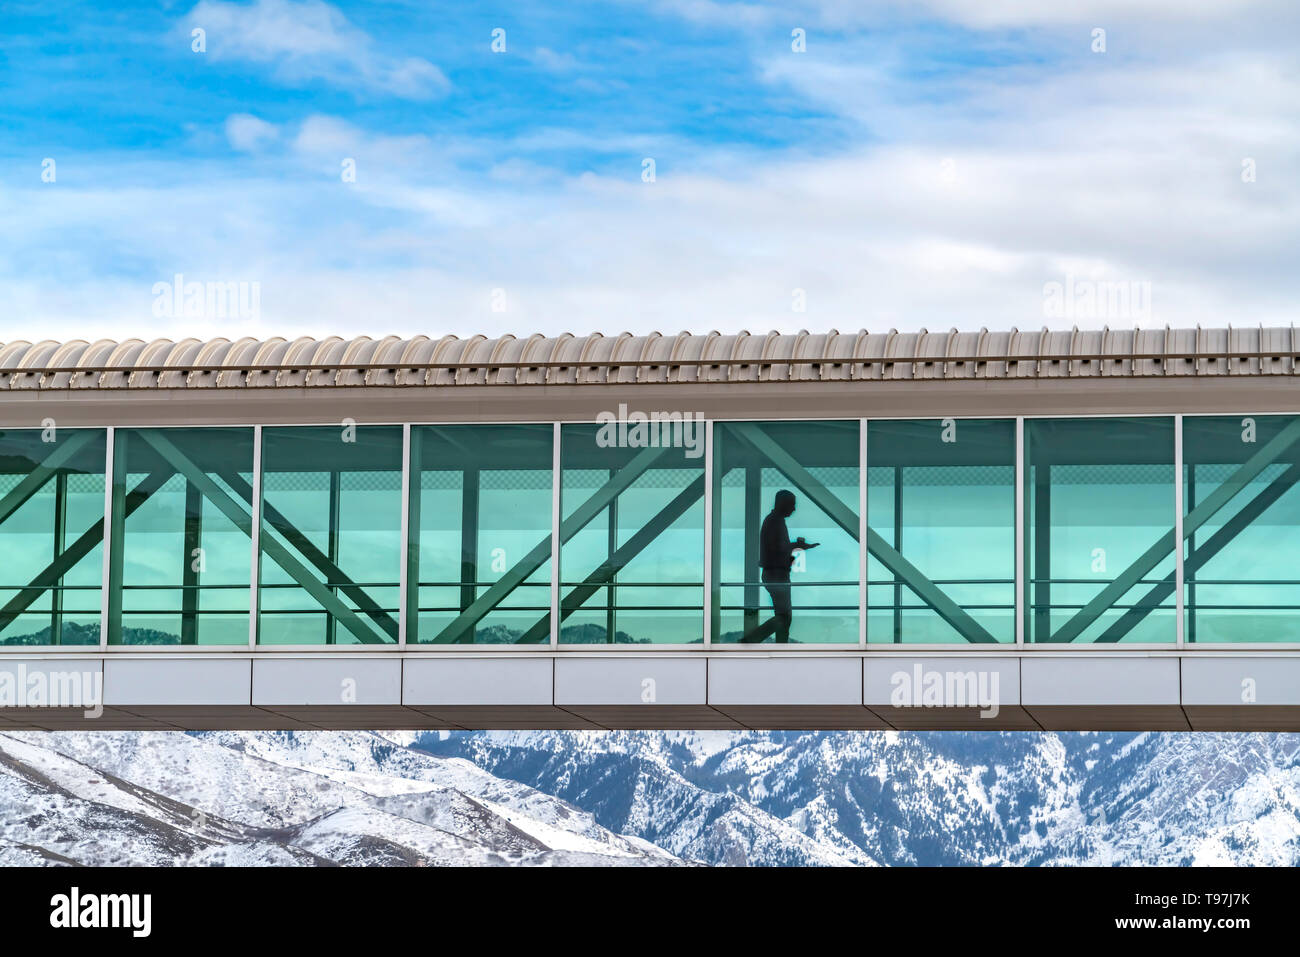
x: 327, y: 681
x: 784, y: 680
x: 362, y: 717
x: 1110, y: 718
x: 1008, y: 718
x: 811, y: 717
x: 1257, y: 717
x: 75, y: 719
x: 617, y: 680
x: 655, y: 717
x: 1241, y: 682
x: 214, y: 718
x: 1098, y: 680
x: 145, y: 681
x: 477, y: 681
x: 510, y: 718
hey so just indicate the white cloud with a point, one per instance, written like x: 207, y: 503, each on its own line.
x: 308, y: 40
x: 555, y: 62
x: 247, y: 133
x: 1012, y: 179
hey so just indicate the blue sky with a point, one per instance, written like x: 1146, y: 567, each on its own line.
x: 924, y: 164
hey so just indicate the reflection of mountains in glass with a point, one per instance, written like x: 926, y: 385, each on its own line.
x: 587, y: 634
x: 76, y: 634
x: 72, y: 633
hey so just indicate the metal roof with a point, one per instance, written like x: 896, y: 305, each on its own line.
x: 654, y: 358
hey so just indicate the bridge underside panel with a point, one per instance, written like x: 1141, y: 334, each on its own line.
x: 666, y: 717
x: 1007, y: 692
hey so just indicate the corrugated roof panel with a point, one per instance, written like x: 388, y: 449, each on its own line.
x: 627, y: 359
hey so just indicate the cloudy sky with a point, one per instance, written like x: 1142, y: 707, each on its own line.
x: 827, y: 164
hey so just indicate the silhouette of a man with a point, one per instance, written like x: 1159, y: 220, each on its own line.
x: 775, y: 556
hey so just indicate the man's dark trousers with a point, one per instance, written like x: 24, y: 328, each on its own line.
x: 777, y: 583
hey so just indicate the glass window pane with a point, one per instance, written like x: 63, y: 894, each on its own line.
x: 813, y: 599
x: 181, y: 545
x: 480, y: 534
x: 632, y: 559
x: 330, y: 535
x: 1241, y: 509
x: 1099, y: 537
x: 52, y: 533
x: 941, y: 493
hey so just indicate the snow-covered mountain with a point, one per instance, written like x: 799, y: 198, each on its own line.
x: 280, y: 798
x: 911, y: 798
x: 657, y: 798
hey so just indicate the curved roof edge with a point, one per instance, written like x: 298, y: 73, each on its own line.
x: 626, y: 359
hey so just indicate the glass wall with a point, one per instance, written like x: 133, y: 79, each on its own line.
x: 941, y: 508
x: 765, y: 591
x: 632, y: 532
x: 52, y: 532
x: 1099, y: 530
x: 1241, y: 526
x: 1099, y: 552
x: 181, y: 549
x: 330, y: 535
x: 480, y: 534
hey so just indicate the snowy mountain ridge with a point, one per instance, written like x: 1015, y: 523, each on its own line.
x: 648, y: 798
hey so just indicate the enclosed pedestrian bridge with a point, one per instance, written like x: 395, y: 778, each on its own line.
x: 1027, y: 530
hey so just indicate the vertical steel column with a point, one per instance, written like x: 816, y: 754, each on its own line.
x: 711, y: 611
x: 1042, y: 584
x: 1178, y: 528
x: 403, y: 579
x: 191, y: 542
x: 611, y: 546
x: 898, y: 546
x: 110, y: 605
x: 862, y: 533
x: 1190, y: 583
x: 332, y: 548
x: 1018, y: 599
x: 555, y: 535
x: 470, y: 486
x: 255, y: 538
x: 753, y: 522
x: 60, y: 533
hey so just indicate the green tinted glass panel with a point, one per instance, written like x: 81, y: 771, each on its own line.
x: 181, y: 543
x: 819, y: 463
x: 52, y: 535
x: 941, y: 493
x: 1099, y: 530
x: 1241, y: 502
x: 632, y: 559
x: 330, y: 535
x: 480, y: 534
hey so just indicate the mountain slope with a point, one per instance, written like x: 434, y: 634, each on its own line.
x: 911, y: 798
x: 319, y: 798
